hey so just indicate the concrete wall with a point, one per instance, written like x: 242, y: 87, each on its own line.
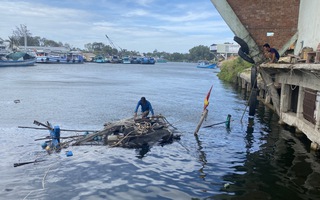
x: 228, y: 48
x: 251, y: 20
x: 260, y: 17
x: 309, y: 25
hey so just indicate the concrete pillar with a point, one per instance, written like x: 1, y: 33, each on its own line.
x: 317, y: 112
x: 248, y: 87
x: 284, y: 100
x: 243, y: 84
x: 314, y: 146
x: 300, y: 103
x: 273, y: 91
x: 268, y: 98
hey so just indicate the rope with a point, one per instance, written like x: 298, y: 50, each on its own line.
x: 45, y: 175
x: 43, y: 182
x: 165, y: 119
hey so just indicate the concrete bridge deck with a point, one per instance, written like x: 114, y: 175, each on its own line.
x: 297, y: 97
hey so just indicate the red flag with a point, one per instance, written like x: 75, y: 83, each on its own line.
x: 206, y: 100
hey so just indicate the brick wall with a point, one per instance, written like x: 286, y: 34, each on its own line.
x: 260, y: 17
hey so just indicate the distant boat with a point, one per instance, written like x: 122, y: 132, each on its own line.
x: 148, y: 60
x: 116, y: 59
x: 126, y: 60
x: 17, y: 59
x: 161, y: 60
x: 48, y: 59
x: 206, y: 64
x: 135, y: 60
x: 99, y: 59
x: 4, y: 50
x: 70, y: 58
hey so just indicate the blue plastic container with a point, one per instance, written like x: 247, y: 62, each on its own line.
x: 69, y: 153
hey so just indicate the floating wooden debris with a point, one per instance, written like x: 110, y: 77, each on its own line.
x: 132, y: 133
x: 128, y: 133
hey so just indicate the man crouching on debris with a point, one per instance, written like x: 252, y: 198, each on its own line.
x: 145, y: 108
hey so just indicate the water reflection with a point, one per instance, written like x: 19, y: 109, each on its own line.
x: 249, y: 134
x: 281, y: 167
x: 202, y: 157
x: 141, y: 152
x: 260, y: 160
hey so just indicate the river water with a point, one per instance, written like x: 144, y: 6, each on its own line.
x: 250, y: 160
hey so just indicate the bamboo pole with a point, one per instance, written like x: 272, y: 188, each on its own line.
x: 46, y: 138
x: 70, y: 130
x: 25, y: 163
x: 203, y: 116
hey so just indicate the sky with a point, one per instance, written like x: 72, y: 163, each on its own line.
x: 135, y: 25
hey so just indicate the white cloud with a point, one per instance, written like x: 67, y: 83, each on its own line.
x: 143, y: 2
x: 137, y: 12
x: 142, y: 25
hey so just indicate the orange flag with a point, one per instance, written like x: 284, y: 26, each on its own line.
x: 206, y: 100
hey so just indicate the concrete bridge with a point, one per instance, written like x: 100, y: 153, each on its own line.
x: 293, y: 88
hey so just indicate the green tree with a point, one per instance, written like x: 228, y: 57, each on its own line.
x: 98, y: 46
x: 88, y: 47
x: 177, y: 57
x: 20, y: 33
x: 200, y: 52
x: 51, y: 43
x: 13, y: 42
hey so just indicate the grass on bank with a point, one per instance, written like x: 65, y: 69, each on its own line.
x: 229, y: 69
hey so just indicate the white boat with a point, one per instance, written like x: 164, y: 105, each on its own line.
x: 4, y: 50
x: 69, y: 58
x: 126, y: 60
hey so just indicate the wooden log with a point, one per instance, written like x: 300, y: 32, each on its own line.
x: 48, y: 137
x: 108, y: 130
x: 88, y: 138
x: 44, y: 125
x: 203, y: 116
x: 25, y: 163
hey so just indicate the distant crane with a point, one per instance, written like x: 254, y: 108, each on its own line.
x: 112, y: 45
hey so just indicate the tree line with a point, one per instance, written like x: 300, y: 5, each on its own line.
x: 196, y: 53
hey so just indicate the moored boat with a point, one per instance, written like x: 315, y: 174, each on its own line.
x: 17, y: 59
x: 148, y: 60
x: 65, y: 58
x: 116, y: 59
x: 99, y: 59
x: 206, y: 64
x: 161, y: 60
x: 135, y: 60
x: 4, y: 50
x: 126, y: 60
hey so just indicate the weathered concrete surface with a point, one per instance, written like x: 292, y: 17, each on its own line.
x: 287, y: 76
x: 306, y: 127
